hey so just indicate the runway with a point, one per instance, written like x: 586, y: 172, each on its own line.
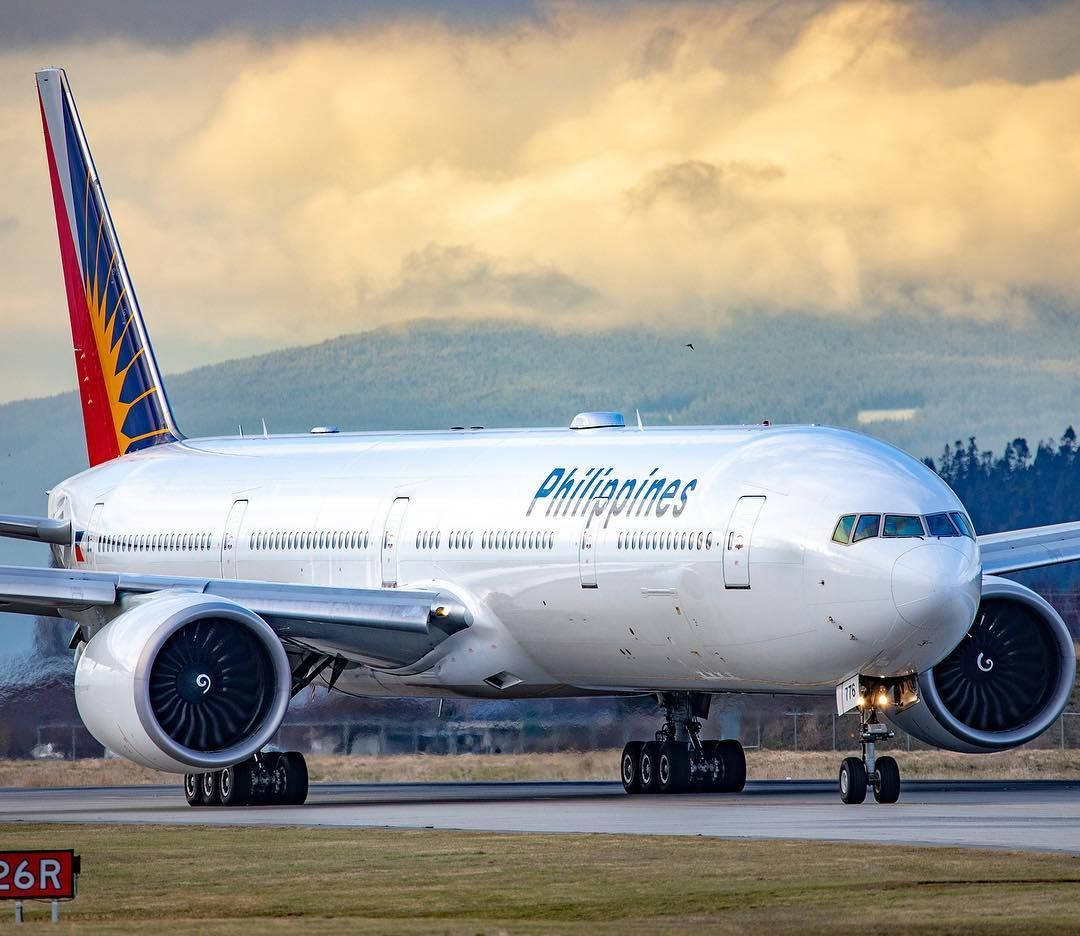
x: 1040, y: 815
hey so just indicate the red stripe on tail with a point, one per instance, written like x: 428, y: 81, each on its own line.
x: 101, y: 442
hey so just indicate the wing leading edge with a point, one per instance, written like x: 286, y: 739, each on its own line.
x: 1016, y: 550
x: 388, y: 626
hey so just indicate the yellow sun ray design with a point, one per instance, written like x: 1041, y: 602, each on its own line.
x: 102, y: 325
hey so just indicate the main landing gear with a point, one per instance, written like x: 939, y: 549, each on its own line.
x: 881, y: 774
x: 677, y: 761
x: 269, y: 779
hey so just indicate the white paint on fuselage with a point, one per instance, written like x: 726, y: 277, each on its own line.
x: 658, y: 618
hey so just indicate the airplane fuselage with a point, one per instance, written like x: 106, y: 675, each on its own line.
x: 593, y: 560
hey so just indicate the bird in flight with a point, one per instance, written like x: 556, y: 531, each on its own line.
x: 689, y: 345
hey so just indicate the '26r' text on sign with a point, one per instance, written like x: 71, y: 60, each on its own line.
x: 38, y: 875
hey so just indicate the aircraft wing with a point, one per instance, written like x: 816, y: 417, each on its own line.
x: 1016, y: 550
x: 387, y: 626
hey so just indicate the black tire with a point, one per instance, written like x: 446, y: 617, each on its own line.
x: 193, y: 789
x: 886, y: 780
x: 852, y: 781
x: 733, y: 759
x: 211, y: 788
x: 673, y: 775
x: 296, y: 779
x: 629, y: 768
x: 273, y: 793
x: 235, y: 784
x: 714, y: 766
x: 649, y: 766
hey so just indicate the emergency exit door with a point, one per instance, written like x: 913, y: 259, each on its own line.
x: 587, y: 559
x: 740, y: 533
x: 231, y: 538
x: 391, y: 541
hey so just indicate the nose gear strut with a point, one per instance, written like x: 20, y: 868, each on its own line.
x: 881, y: 774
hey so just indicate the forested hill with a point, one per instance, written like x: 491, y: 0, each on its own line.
x: 1022, y: 487
x: 911, y: 381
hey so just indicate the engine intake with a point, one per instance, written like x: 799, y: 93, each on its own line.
x: 1004, y: 684
x: 184, y: 682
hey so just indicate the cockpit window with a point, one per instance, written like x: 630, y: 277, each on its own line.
x: 900, y: 525
x: 940, y: 525
x: 962, y: 524
x: 842, y: 533
x: 866, y: 527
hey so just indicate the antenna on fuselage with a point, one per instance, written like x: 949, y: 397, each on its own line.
x: 641, y: 428
x: 240, y: 426
x: 266, y: 435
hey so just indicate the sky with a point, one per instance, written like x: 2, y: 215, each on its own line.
x: 280, y: 173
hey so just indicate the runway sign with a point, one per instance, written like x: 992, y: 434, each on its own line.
x: 38, y: 875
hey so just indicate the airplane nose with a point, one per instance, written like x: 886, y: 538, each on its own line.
x: 935, y: 583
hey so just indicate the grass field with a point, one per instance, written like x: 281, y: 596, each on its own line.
x: 589, y: 765
x: 198, y: 880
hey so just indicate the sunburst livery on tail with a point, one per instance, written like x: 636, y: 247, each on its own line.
x: 123, y: 400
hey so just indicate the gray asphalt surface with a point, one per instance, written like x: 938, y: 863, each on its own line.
x: 1040, y: 815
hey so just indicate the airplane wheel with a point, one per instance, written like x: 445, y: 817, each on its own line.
x: 714, y: 776
x: 296, y: 779
x: 649, y: 766
x: 193, y: 790
x: 211, y: 788
x: 852, y: 780
x: 630, y: 766
x: 733, y: 758
x: 235, y: 785
x: 886, y: 780
x: 673, y: 774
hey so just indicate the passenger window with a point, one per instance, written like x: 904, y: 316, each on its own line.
x: 963, y: 524
x: 866, y: 527
x: 940, y: 525
x: 899, y: 525
x: 842, y: 533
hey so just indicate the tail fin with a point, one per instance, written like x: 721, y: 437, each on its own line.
x: 123, y: 399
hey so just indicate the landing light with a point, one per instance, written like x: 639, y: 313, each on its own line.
x: 883, y: 699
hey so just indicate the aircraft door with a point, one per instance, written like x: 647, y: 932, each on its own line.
x: 737, y: 544
x: 91, y: 537
x: 230, y: 539
x: 587, y: 559
x: 391, y: 541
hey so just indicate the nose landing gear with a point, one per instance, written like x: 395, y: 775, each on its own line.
x: 880, y: 774
x: 678, y: 761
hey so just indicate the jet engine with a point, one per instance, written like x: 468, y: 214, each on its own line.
x: 1005, y: 683
x: 183, y: 682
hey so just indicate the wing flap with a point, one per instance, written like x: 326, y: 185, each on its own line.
x: 1016, y: 550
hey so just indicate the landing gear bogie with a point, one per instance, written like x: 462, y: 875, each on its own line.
x: 678, y: 761
x: 269, y: 779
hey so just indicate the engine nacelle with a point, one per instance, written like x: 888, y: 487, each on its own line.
x: 1006, y: 682
x: 184, y: 682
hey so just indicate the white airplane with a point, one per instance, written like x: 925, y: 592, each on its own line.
x: 212, y: 579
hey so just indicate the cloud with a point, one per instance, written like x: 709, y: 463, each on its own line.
x: 587, y: 165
